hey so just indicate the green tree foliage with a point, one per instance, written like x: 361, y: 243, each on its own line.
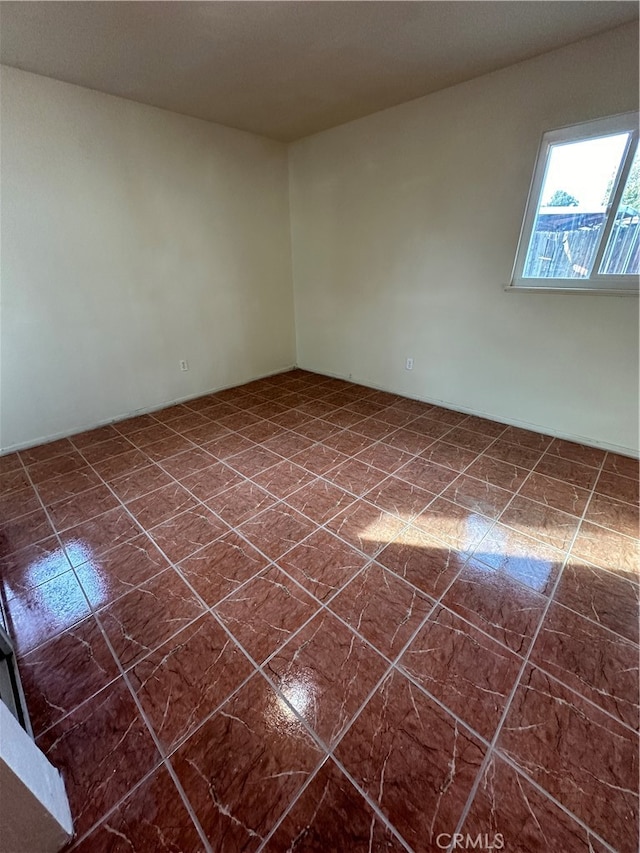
x: 561, y: 198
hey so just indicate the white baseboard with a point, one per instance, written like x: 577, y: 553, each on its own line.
x: 545, y: 430
x: 145, y: 411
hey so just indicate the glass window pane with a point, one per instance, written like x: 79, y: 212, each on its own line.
x: 622, y: 255
x: 572, y: 209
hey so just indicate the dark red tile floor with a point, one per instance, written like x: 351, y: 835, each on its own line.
x: 306, y: 615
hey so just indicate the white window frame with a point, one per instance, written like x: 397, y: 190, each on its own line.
x: 596, y: 283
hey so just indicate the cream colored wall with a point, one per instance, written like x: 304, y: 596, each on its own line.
x: 132, y: 238
x: 405, y: 226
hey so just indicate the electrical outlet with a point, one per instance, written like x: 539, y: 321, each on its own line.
x: 409, y: 364
x: 184, y: 364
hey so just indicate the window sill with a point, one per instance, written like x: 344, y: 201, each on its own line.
x: 520, y: 288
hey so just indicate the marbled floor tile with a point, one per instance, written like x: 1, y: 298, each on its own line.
x: 26, y: 530
x: 527, y: 438
x: 450, y: 455
x: 129, y: 426
x: 400, y: 498
x: 276, y: 530
x: 166, y: 447
x: 10, y: 462
x: 356, y: 477
x: 516, y: 817
x: 524, y: 457
x: 114, y: 573
x: 92, y: 538
x: 505, y: 475
x: 152, y: 818
x: 251, y: 462
x: 384, y: 457
x: 94, y: 436
x: 146, y: 432
x: 607, y: 549
x: 478, y: 496
x: 473, y: 441
x: 61, y: 674
x: 187, y: 678
x: 484, y: 425
x: 283, y: 479
x: 323, y: 564
x: 555, y: 493
x: 46, y: 451
x: 240, y: 503
x: 183, y: 534
x: 611, y: 599
x: 496, y: 603
x: 408, y: 440
x: 141, y: 620
x: 156, y: 507
x: 35, y: 616
x: 287, y: 444
x: 41, y: 471
x: 470, y: 673
x: 102, y: 749
x: 227, y: 444
x: 319, y: 458
x: 67, y: 485
x: 616, y: 515
x: 14, y: 480
x: 221, y: 567
x: 576, y: 452
x: 349, y: 441
x: 413, y: 759
x: 260, y: 431
x: 623, y: 465
x: 118, y: 466
x: 382, y: 608
x: 20, y: 502
x: 427, y: 475
x: 332, y: 815
x: 425, y: 562
x: 601, y: 665
x: 373, y: 429
x: 453, y: 524
x: 366, y: 527
x: 140, y: 482
x: 580, y: 755
x: 266, y: 611
x: 570, y: 472
x: 618, y: 487
x: 316, y: 429
x: 325, y: 672
x: 533, y: 563
x: 74, y: 510
x: 31, y: 566
x: 320, y: 500
x: 106, y: 449
x: 188, y: 462
x: 241, y: 769
x: 534, y: 519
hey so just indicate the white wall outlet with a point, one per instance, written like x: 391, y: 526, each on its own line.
x: 184, y: 364
x: 409, y: 364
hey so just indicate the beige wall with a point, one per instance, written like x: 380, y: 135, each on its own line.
x: 132, y: 238
x: 405, y: 227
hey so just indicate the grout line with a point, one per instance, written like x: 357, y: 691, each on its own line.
x: 525, y: 663
x: 324, y: 605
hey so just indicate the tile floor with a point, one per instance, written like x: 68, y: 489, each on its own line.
x: 306, y: 615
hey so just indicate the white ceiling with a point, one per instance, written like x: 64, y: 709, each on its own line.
x: 287, y: 69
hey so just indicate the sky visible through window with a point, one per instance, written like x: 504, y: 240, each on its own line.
x: 584, y: 170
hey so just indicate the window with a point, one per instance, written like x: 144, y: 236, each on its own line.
x: 581, y: 228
